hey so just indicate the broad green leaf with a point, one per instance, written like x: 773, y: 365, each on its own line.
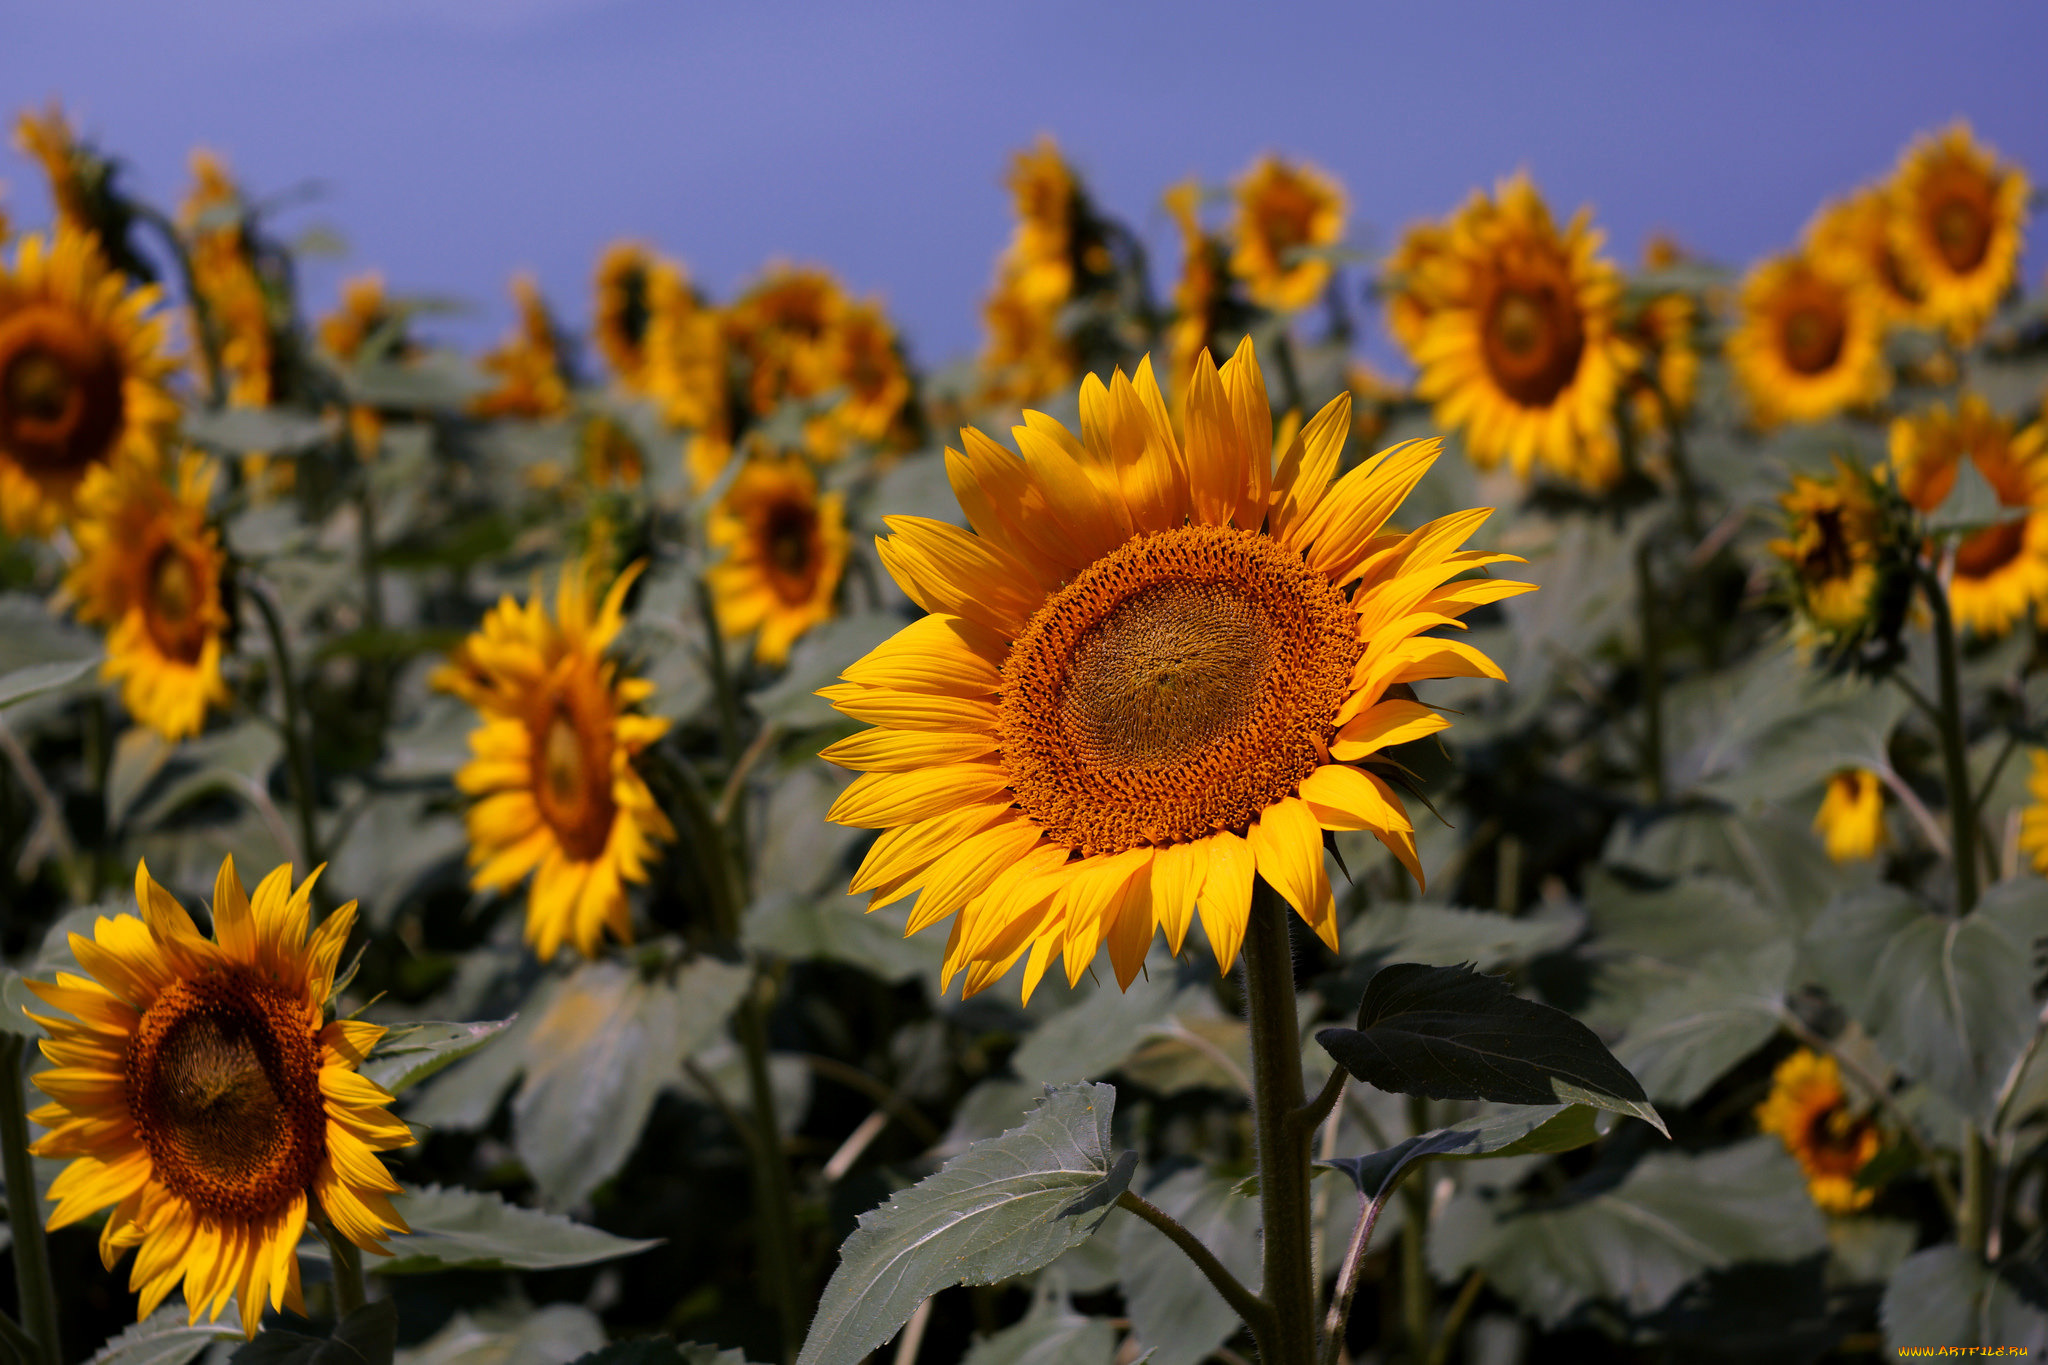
x: 1514, y: 1132
x: 1944, y: 1296
x: 36, y: 679
x: 558, y: 1332
x: 989, y: 1213
x: 433, y: 380
x: 1450, y: 1033
x: 1972, y: 503
x: 476, y: 1230
x: 662, y: 1351
x: 1641, y: 1241
x: 1174, y: 1310
x: 237, y: 761
x: 1050, y: 1333
x: 1683, y: 922
x: 162, y: 1338
x: 1779, y: 860
x: 14, y: 998
x: 1091, y: 1038
x: 240, y: 431
x: 1949, y: 1001
x: 411, y: 1053
x: 367, y: 1336
x: 1684, y: 1038
x: 838, y: 928
x: 1415, y: 931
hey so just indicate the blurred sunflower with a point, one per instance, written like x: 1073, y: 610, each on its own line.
x: 556, y: 794
x: 608, y: 453
x: 365, y: 315
x: 785, y: 329
x: 1522, y: 351
x: 625, y: 309
x: 785, y: 549
x: 867, y: 364
x: 1040, y: 260
x: 1408, y: 280
x: 48, y: 138
x: 1958, y: 222
x: 2034, y: 818
x: 199, y: 1090
x: 532, y: 381
x: 1854, y: 237
x: 1288, y: 215
x: 1148, y: 676
x: 1851, y: 817
x: 1198, y: 291
x: 1833, y: 544
x: 237, y: 310
x: 1809, y: 343
x: 1661, y: 329
x: 1026, y: 356
x: 82, y: 370
x: 149, y: 569
x: 685, y: 372
x: 1809, y: 1112
x: 2000, y: 570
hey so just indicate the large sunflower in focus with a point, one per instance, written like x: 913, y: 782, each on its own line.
x: 556, y: 794
x: 82, y: 370
x: 1809, y: 343
x: 2001, y: 570
x: 1286, y: 216
x: 1958, y: 222
x: 149, y: 569
x: 1810, y: 1113
x: 1521, y: 351
x: 1150, y: 672
x: 199, y: 1090
x: 785, y: 549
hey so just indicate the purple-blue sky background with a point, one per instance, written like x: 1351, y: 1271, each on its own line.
x: 456, y: 140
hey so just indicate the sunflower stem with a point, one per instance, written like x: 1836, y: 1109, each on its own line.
x: 1653, y: 677
x: 19, y: 1347
x: 1283, y: 1147
x: 349, y: 1294
x: 35, y: 1290
x: 1954, y: 753
x: 296, y: 745
x: 1256, y: 1312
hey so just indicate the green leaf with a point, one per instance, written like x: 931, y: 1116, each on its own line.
x: 162, y: 1338
x: 1944, y: 1296
x: 1972, y: 503
x: 15, y: 996
x: 1174, y: 1309
x: 817, y: 661
x: 1415, y: 931
x: 989, y: 1213
x: 1515, y: 1132
x: 558, y: 1332
x: 1949, y: 1001
x: 36, y: 679
x: 840, y: 929
x: 1638, y: 1243
x: 240, y: 431
x: 1049, y: 1333
x: 367, y: 1336
x: 1684, y: 1038
x: 662, y: 1351
x: 1091, y: 1038
x: 410, y: 1054
x: 474, y: 1230
x: 1682, y: 923
x: 1450, y: 1033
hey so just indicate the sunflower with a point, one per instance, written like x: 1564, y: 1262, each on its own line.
x: 786, y: 330
x: 2000, y: 570
x: 1040, y: 259
x: 685, y: 373
x: 1522, y: 352
x: 149, y: 569
x: 237, y: 308
x: 625, y: 308
x: 1409, y: 281
x: 82, y: 370
x: 1851, y: 817
x: 556, y: 792
x: 609, y: 455
x: 366, y: 315
x: 1809, y: 343
x: 2034, y: 819
x: 867, y: 364
x: 531, y: 380
x: 1149, y: 676
x: 200, y: 1091
x: 1958, y: 221
x: 1026, y: 356
x: 1810, y: 1113
x: 1287, y: 217
x: 785, y: 549
x: 1854, y: 237
x: 1832, y: 546
x: 1662, y: 330
x: 1199, y: 290
x: 49, y: 139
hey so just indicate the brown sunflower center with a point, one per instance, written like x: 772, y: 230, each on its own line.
x: 1960, y: 222
x: 1837, y: 1142
x: 572, y: 778
x: 1987, y: 551
x: 1830, y: 555
x: 173, y: 611
x: 1813, y: 329
x: 1532, y: 339
x: 1181, y: 684
x: 787, y: 533
x: 634, y: 309
x: 223, y: 1086
x: 60, y: 393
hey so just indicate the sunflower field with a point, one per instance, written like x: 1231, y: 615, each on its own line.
x: 694, y: 840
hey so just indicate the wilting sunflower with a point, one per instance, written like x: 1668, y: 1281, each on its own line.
x: 82, y: 370
x: 1287, y: 217
x: 1851, y: 817
x: 149, y: 570
x: 2000, y: 570
x: 556, y: 794
x: 528, y: 365
x: 2034, y: 819
x: 200, y: 1090
x: 1809, y: 343
x: 1958, y: 221
x: 1810, y: 1113
x: 1854, y: 237
x: 1833, y: 547
x: 625, y: 308
x: 785, y: 549
x: 1408, y: 280
x: 1522, y: 351
x: 1148, y: 674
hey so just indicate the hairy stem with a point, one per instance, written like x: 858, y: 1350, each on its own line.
x: 1283, y: 1147
x: 1648, y: 606
x: 1954, y: 751
x: 1347, y: 1274
x: 295, y: 740
x: 1255, y: 1311
x: 35, y: 1290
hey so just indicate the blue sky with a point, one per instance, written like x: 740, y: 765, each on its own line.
x: 457, y: 140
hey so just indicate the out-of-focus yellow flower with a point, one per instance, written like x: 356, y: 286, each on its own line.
x: 1809, y: 343
x: 236, y: 314
x: 1521, y: 352
x: 1288, y: 214
x: 1409, y: 280
x: 555, y: 794
x: 528, y: 365
x: 1197, y: 292
x: 1853, y: 236
x: 1810, y: 1113
x: 1851, y: 817
x: 49, y: 139
x: 2034, y: 819
x: 365, y: 313
x: 868, y: 365
x: 785, y: 330
x: 2001, y: 570
x: 1958, y: 221
x: 149, y: 570
x: 1662, y: 251
x: 626, y: 302
x: 610, y: 455
x: 82, y: 371
x: 685, y: 371
x: 1026, y: 356
x: 785, y: 550
x: 1832, y: 547
x: 1662, y: 331
x: 1040, y: 261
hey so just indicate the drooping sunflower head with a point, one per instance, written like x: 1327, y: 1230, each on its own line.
x: 1854, y: 237
x: 1409, y: 280
x: 609, y: 454
x: 1809, y: 343
x: 532, y: 380
x: 366, y: 313
x: 149, y: 569
x: 1154, y: 669
x: 553, y: 787
x: 1521, y: 352
x: 1833, y: 547
x: 1958, y: 221
x: 200, y: 1092
x: 1288, y: 214
x: 82, y: 369
x: 1851, y: 817
x: 625, y: 308
x: 1810, y: 1113
x: 785, y: 550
